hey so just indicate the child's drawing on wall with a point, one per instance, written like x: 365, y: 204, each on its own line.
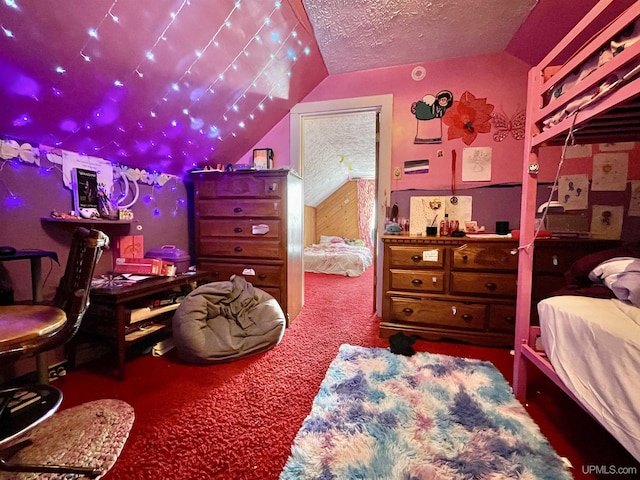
x: 429, y: 112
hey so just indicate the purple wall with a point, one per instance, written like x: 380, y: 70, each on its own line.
x: 38, y: 191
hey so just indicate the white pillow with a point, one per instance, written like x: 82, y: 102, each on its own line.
x: 325, y: 239
x: 622, y: 276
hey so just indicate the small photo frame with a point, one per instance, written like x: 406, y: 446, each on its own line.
x: 262, y: 159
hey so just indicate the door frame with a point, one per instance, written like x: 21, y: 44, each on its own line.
x: 382, y: 104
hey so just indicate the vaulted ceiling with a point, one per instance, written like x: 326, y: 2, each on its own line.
x: 169, y: 84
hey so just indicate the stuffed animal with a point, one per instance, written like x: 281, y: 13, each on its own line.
x: 400, y: 344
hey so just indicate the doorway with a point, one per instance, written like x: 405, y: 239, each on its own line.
x: 381, y: 104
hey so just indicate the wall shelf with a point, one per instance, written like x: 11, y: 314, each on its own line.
x: 86, y: 221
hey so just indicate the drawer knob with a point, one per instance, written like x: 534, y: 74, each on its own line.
x: 416, y: 281
x: 490, y: 286
x: 416, y: 258
x: 238, y: 249
x: 554, y: 260
x: 466, y: 317
x: 237, y: 229
x: 237, y: 210
x: 514, y: 251
x: 262, y: 276
x: 465, y: 258
x: 511, y: 320
x: 407, y: 310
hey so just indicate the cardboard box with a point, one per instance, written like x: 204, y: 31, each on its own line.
x: 140, y: 266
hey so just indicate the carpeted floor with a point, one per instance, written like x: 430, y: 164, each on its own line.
x: 239, y: 420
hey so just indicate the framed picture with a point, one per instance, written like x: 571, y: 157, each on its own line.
x: 262, y: 158
x: 85, y: 190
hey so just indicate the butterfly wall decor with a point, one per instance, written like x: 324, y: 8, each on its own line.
x: 504, y: 126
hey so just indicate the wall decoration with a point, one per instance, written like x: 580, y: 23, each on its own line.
x: 573, y: 192
x: 416, y: 166
x: 505, y: 126
x: 429, y: 112
x: 634, y: 201
x: 610, y: 172
x: 606, y: 222
x: 468, y: 117
x: 476, y: 164
x: 262, y: 158
x: 578, y: 151
x: 424, y: 212
x: 10, y: 149
x: 616, y: 147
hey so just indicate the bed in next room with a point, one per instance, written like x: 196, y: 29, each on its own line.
x: 338, y: 256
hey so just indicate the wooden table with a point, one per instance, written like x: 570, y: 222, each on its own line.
x: 109, y: 313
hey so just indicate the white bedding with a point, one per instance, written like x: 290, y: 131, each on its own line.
x: 337, y: 259
x: 594, y: 346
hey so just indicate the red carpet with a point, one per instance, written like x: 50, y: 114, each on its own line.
x: 238, y: 420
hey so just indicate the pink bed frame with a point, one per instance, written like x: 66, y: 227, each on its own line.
x: 612, y: 118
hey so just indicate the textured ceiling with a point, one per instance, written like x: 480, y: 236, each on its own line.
x: 364, y: 34
x: 336, y: 148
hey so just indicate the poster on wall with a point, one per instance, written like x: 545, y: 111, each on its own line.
x: 476, y: 164
x: 429, y: 111
x: 579, y: 151
x: 72, y: 160
x: 424, y: 212
x: 610, y: 172
x: 573, y: 192
x: 606, y: 222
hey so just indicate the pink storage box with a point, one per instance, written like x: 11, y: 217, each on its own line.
x: 170, y: 253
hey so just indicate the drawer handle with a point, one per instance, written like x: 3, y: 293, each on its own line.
x: 237, y: 229
x: 465, y: 258
x: 238, y: 249
x: 490, y: 286
x: 262, y: 276
x: 237, y: 210
x: 416, y: 281
x: 511, y: 320
x: 514, y: 251
x: 466, y: 317
x: 416, y: 258
x: 554, y: 260
x: 407, y: 310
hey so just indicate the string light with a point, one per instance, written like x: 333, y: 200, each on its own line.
x: 197, y: 95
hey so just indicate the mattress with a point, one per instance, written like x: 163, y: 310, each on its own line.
x: 337, y: 259
x: 594, y: 346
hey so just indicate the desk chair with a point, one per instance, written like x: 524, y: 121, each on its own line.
x: 36, y: 329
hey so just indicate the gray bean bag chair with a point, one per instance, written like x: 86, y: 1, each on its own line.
x: 223, y: 321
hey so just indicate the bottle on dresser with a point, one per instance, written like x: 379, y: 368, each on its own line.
x: 444, y: 226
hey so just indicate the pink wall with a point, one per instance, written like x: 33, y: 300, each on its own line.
x: 500, y: 78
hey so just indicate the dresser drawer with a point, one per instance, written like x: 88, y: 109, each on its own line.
x: 240, y: 186
x: 257, y: 275
x: 239, y: 247
x: 438, y: 312
x: 240, y: 227
x: 502, y: 318
x: 418, y: 280
x: 486, y: 284
x: 240, y: 207
x: 485, y: 256
x: 419, y: 257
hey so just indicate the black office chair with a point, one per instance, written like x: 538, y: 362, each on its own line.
x: 34, y: 330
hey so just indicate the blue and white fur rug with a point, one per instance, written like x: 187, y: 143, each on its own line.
x: 379, y: 415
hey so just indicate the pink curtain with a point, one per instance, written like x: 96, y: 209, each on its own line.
x: 366, y: 207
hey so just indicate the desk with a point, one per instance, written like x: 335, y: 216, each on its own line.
x: 34, y: 257
x: 109, y: 313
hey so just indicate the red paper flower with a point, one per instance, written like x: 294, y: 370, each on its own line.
x: 468, y: 117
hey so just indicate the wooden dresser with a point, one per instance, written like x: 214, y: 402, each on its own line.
x: 465, y: 288
x: 250, y: 223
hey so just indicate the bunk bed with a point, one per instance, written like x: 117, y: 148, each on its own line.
x: 593, y: 96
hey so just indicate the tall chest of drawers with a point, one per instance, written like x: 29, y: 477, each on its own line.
x: 465, y: 288
x: 250, y: 223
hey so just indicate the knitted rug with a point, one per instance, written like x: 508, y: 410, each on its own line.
x: 88, y: 435
x: 379, y: 415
